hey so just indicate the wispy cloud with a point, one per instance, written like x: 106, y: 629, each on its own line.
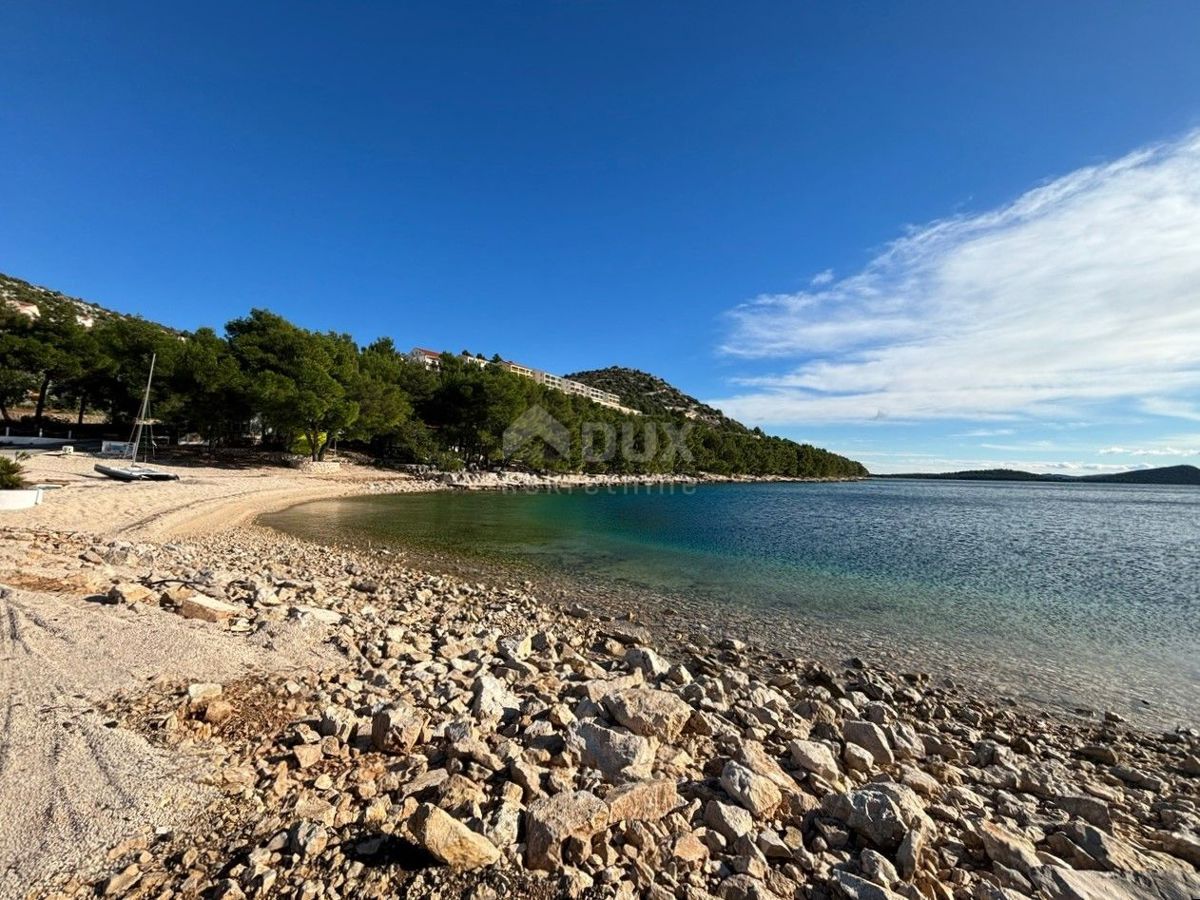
x: 986, y: 432
x: 823, y: 278
x: 883, y: 463
x: 1176, y: 409
x: 1027, y: 446
x: 1082, y: 292
x: 1150, y: 451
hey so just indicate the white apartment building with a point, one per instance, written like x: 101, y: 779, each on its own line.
x: 431, y: 359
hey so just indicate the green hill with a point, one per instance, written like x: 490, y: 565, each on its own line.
x: 653, y: 396
x: 1162, y: 475
x: 38, y: 302
x: 720, y: 444
x: 1184, y: 475
x: 268, y: 382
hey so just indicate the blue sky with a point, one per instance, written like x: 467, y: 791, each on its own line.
x: 928, y: 235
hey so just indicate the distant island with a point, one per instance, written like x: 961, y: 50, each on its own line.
x: 1187, y: 475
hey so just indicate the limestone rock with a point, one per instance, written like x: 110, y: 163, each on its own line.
x: 123, y: 881
x: 753, y: 791
x: 130, y: 592
x: 552, y: 821
x: 618, y: 755
x: 857, y: 759
x: 1182, y: 846
x: 649, y: 712
x: 881, y: 812
x: 397, y: 728
x: 744, y: 887
x: 492, y: 700
x: 755, y: 757
x: 1108, y: 850
x: 728, y: 820
x: 309, y: 838
x: 450, y: 841
x: 338, y: 722
x: 207, y: 609
x: 203, y: 690
x: 642, y: 801
x: 815, y: 757
x: 1008, y: 849
x: 599, y: 688
x: 688, y: 848
x: 870, y: 737
x: 854, y: 888
x: 307, y: 755
x: 1090, y: 809
x: 1058, y: 883
x: 647, y: 662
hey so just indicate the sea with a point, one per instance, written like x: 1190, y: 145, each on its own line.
x: 1081, y: 597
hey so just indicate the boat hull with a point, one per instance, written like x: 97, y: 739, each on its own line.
x: 132, y: 473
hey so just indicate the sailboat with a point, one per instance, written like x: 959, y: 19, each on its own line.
x: 134, y: 471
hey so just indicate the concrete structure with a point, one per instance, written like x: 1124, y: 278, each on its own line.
x: 431, y: 359
x: 20, y: 499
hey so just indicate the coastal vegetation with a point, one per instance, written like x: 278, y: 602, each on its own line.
x: 653, y: 396
x: 268, y: 381
x: 11, y: 476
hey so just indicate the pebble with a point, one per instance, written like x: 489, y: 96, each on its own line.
x: 611, y: 757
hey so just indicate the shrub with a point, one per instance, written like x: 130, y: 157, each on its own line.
x: 10, y: 475
x: 446, y: 461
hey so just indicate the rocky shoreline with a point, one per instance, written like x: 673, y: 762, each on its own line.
x: 533, y: 481
x: 475, y: 740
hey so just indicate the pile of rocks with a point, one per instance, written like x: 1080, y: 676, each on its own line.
x: 480, y: 742
x: 524, y: 481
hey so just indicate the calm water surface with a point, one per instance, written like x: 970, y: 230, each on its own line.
x: 1067, y: 594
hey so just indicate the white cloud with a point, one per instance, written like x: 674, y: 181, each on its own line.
x: 1023, y: 448
x: 1082, y: 292
x: 1150, y: 451
x: 892, y: 463
x: 1176, y: 409
x: 986, y: 432
x: 825, y: 277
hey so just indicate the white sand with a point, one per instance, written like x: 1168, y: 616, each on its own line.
x: 204, y: 499
x: 70, y: 785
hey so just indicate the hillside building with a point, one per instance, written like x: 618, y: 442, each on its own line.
x: 431, y: 359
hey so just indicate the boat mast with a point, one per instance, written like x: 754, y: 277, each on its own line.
x: 143, y: 412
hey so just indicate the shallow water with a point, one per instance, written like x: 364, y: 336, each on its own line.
x: 1073, y: 595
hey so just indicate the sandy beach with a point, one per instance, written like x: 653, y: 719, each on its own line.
x: 214, y: 496
x: 197, y: 706
x: 206, y: 497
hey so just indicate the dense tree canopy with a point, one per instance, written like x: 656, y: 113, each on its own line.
x: 268, y: 379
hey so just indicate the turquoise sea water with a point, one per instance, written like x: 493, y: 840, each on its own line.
x: 1069, y: 594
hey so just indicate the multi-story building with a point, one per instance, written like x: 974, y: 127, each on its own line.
x: 432, y: 360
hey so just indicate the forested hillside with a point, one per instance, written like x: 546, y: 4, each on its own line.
x: 653, y: 396
x: 722, y: 441
x: 266, y: 381
x: 1172, y: 475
